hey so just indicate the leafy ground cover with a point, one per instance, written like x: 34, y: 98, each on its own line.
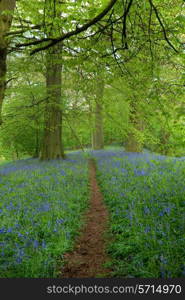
x: 40, y: 209
x: 145, y: 195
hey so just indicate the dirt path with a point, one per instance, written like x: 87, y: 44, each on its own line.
x: 89, y: 254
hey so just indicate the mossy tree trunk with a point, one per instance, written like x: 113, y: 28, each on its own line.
x: 6, y: 12
x: 52, y: 147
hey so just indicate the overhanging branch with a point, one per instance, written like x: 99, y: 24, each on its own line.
x: 162, y: 26
x: 124, y: 31
x: 70, y: 33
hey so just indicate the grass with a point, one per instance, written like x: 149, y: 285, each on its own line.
x: 145, y: 195
x: 40, y: 209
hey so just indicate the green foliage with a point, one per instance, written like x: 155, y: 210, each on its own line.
x: 144, y: 84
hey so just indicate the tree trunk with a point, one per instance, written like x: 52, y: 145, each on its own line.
x: 52, y: 147
x: 37, y: 146
x: 97, y: 134
x: 2, y: 78
x: 133, y: 144
x: 97, y: 138
x: 5, y: 24
x: 164, y: 142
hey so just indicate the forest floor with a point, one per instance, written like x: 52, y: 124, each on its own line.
x: 89, y: 254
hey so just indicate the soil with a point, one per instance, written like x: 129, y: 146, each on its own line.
x: 89, y: 254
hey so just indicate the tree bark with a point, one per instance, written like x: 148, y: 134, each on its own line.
x: 37, y: 145
x: 5, y: 24
x: 164, y: 142
x: 52, y: 147
x: 97, y: 134
x: 132, y: 142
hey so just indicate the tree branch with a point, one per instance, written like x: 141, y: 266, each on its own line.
x: 162, y: 25
x: 124, y: 31
x: 70, y: 33
x: 24, y: 29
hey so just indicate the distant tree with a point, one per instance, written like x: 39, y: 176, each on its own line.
x: 98, y: 136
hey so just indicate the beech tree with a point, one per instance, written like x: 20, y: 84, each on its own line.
x: 98, y: 136
x: 52, y: 140
x: 6, y: 16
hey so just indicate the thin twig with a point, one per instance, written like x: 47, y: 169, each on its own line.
x: 162, y: 26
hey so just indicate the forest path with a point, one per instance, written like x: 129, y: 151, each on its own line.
x: 89, y: 255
